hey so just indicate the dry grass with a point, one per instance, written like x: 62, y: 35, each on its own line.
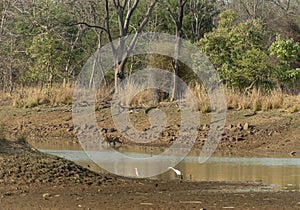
x: 259, y: 101
x: 33, y: 97
x: 201, y: 98
x: 136, y: 94
x: 104, y: 94
x: 58, y: 96
x: 255, y: 100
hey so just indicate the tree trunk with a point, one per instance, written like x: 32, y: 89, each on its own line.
x: 178, y: 25
x: 91, y: 82
x: 120, y: 52
x: 120, y: 72
x: 10, y: 77
x: 50, y: 79
x: 11, y: 68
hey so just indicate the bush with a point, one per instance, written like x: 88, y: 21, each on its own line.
x: 241, y: 54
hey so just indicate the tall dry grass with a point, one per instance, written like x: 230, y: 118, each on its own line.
x: 255, y: 100
x: 260, y: 101
x: 201, y: 98
x: 132, y: 93
x: 54, y: 96
x: 34, y: 96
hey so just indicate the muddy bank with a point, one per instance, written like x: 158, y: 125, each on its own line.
x: 32, y: 180
x: 146, y: 195
x: 245, y: 131
x: 22, y: 164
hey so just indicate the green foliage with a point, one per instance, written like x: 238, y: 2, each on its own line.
x: 286, y: 51
x: 38, y: 44
x: 227, y: 18
x: 241, y: 55
x: 22, y: 139
x: 48, y: 54
x: 237, y: 51
x: 31, y: 104
x: 197, y: 20
x: 42, y: 40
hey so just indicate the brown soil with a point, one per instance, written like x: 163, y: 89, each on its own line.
x: 32, y: 180
x: 266, y: 132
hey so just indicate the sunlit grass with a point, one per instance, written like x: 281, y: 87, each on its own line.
x: 32, y: 96
x: 255, y: 100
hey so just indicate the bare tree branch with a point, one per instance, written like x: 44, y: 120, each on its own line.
x: 107, y: 22
x: 131, y: 9
x: 172, y: 16
x: 147, y: 16
x: 90, y: 26
x: 125, y: 3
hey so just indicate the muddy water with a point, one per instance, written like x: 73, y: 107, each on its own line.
x: 275, y: 172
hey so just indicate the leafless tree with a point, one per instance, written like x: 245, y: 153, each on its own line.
x: 7, y: 43
x: 178, y: 22
x: 124, y: 11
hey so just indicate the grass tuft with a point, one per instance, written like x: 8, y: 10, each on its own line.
x: 33, y: 97
x: 22, y: 139
x: 136, y: 94
x: 293, y: 109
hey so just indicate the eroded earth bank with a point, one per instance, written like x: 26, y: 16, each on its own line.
x: 30, y: 179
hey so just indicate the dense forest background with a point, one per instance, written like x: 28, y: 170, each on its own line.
x: 252, y: 43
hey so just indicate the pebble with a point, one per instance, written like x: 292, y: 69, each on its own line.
x: 230, y: 126
x: 46, y: 195
x: 205, y: 126
x: 246, y: 126
x: 148, y: 204
x: 239, y: 126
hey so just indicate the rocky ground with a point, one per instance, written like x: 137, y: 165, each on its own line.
x: 32, y: 180
x: 245, y: 131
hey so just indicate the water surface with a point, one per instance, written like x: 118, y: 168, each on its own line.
x: 277, y: 173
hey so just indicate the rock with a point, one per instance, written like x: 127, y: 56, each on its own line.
x: 68, y: 119
x: 246, y: 126
x: 172, y: 139
x: 239, y: 126
x: 103, y: 130
x: 167, y: 133
x: 240, y: 138
x: 46, y: 196
x: 230, y: 126
x: 113, y: 130
x: 70, y: 129
x: 250, y: 114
